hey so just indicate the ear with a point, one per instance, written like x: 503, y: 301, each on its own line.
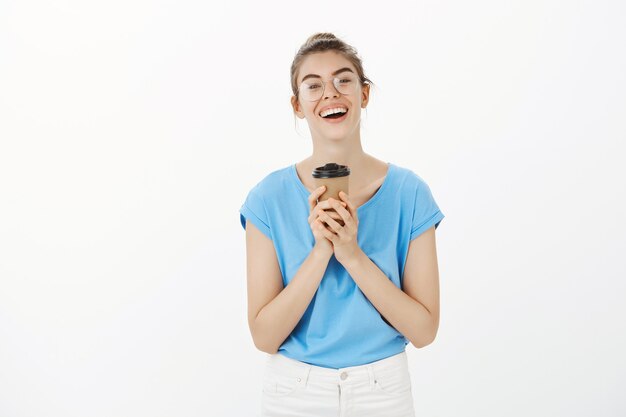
x: 365, y: 95
x: 296, y: 107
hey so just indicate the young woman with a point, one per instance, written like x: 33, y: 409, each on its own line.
x: 338, y: 288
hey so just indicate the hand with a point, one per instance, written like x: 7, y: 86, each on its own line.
x: 317, y: 226
x: 343, y: 238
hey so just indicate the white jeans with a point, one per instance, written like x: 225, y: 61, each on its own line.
x: 296, y: 389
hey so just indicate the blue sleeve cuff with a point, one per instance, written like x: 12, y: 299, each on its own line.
x: 246, y: 214
x: 435, y: 219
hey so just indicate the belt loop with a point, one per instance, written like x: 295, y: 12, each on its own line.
x: 304, y: 375
x: 372, y: 376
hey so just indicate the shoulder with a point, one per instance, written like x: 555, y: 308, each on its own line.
x: 418, y: 198
x: 407, y: 178
x: 272, y: 182
x: 258, y: 205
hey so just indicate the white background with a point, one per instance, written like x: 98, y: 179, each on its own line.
x: 131, y: 133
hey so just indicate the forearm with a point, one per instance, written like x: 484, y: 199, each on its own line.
x: 280, y: 316
x: 407, y: 315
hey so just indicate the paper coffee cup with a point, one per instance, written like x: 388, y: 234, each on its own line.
x: 335, y: 178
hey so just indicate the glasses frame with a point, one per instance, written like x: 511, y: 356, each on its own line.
x: 336, y: 80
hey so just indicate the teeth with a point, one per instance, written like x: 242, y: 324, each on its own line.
x: 333, y: 111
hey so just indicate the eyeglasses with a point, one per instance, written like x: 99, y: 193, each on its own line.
x: 312, y: 89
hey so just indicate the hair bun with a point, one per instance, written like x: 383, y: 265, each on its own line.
x: 327, y: 36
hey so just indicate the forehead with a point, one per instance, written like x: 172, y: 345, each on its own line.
x: 323, y: 64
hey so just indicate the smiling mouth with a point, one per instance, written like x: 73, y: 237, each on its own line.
x: 336, y: 116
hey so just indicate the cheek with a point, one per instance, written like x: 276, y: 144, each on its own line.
x: 310, y: 112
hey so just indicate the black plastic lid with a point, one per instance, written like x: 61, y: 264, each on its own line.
x: 331, y: 170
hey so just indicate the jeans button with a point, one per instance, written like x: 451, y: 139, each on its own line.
x: 344, y: 375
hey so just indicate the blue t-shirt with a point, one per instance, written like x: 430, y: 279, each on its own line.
x: 341, y: 327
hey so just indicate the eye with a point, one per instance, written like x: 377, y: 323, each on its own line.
x: 345, y: 80
x: 313, y: 86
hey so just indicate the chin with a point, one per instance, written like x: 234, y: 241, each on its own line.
x: 337, y: 133
x: 336, y: 137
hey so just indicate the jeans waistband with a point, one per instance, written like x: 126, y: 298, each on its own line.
x: 302, y: 371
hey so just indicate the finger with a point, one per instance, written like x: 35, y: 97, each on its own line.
x: 330, y: 222
x: 321, y: 227
x: 333, y: 214
x: 313, y: 215
x: 316, y: 212
x: 341, y: 210
x: 324, y: 229
x: 314, y: 196
x: 327, y: 204
x: 324, y: 207
x: 335, y: 217
x: 350, y: 206
x: 346, y: 217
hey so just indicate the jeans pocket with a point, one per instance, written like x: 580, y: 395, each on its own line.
x: 279, y: 385
x: 392, y: 382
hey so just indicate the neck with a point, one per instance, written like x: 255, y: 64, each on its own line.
x: 345, y: 151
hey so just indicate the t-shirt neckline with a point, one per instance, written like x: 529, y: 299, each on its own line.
x: 373, y: 199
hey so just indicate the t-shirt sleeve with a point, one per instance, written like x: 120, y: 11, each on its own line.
x: 253, y: 209
x: 426, y: 212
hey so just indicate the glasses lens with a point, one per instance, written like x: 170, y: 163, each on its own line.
x: 313, y: 88
x: 345, y: 83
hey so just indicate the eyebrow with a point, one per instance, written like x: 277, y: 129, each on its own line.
x: 334, y: 73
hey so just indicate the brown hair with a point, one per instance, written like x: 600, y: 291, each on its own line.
x: 324, y: 41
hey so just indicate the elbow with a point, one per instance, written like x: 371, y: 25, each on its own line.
x: 261, y: 343
x: 264, y: 347
x: 424, y: 340
x: 419, y: 344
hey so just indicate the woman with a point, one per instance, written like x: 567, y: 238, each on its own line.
x: 338, y: 288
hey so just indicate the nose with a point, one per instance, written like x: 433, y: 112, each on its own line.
x: 329, y: 88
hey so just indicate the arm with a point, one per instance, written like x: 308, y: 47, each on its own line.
x: 274, y: 310
x: 414, y: 310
